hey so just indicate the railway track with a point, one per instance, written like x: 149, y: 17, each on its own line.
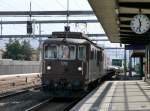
x: 20, y: 91
x: 34, y: 100
x: 53, y: 105
x: 69, y: 106
x: 39, y: 105
x: 21, y: 100
x: 56, y: 104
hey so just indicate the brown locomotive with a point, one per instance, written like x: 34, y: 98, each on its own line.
x: 71, y: 61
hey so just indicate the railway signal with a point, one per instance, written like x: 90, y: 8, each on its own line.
x: 29, y: 27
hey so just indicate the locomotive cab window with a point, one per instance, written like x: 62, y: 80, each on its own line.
x: 81, y: 52
x: 50, y: 51
x: 92, y: 54
x: 98, y: 57
x: 67, y: 52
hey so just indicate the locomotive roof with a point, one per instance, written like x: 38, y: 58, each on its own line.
x: 68, y: 34
x: 72, y: 37
x: 70, y: 40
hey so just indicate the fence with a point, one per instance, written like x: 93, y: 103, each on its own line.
x: 19, y: 67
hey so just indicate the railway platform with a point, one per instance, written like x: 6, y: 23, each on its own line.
x: 15, y: 82
x: 117, y: 96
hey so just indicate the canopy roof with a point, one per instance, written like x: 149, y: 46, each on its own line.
x: 115, y: 17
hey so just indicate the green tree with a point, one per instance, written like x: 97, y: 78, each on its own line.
x: 18, y: 51
x: 26, y: 50
x: 13, y: 49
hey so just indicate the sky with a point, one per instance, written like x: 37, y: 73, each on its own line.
x: 49, y: 5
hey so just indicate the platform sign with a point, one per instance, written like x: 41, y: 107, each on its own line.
x: 117, y: 62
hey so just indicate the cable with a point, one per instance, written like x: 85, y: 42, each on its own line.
x: 67, y: 17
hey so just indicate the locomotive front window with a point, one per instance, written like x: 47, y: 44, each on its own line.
x: 82, y: 52
x: 67, y: 52
x: 72, y: 52
x: 51, y: 52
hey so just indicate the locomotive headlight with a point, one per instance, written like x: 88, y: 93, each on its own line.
x: 48, y: 67
x: 79, y: 68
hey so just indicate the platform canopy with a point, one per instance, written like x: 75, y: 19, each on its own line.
x: 115, y: 17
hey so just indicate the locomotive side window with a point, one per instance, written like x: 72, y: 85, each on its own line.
x: 72, y: 52
x: 50, y: 52
x: 98, y: 57
x: 67, y: 52
x: 82, y: 52
x: 92, y: 54
x: 101, y: 56
x: 95, y: 55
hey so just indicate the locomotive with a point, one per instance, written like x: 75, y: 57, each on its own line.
x: 71, y: 62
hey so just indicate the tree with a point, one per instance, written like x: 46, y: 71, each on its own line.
x: 18, y: 51
x: 13, y: 49
x: 26, y: 50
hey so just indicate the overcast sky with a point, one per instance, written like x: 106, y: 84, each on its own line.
x: 48, y: 5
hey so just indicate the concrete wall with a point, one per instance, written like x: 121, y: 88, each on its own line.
x: 19, y: 67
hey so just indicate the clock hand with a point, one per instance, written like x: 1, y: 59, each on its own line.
x: 139, y: 25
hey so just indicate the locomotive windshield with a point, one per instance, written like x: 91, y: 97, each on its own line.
x: 51, y: 51
x: 82, y: 52
x: 67, y: 52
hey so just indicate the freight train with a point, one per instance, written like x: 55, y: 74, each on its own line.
x: 71, y: 61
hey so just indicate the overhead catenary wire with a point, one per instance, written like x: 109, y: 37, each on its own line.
x: 67, y: 13
x: 30, y: 10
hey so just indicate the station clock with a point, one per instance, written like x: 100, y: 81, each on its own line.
x: 140, y: 24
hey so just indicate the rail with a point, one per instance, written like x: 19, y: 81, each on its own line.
x: 37, y: 106
x: 69, y: 106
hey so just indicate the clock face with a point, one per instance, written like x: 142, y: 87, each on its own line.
x: 140, y: 24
